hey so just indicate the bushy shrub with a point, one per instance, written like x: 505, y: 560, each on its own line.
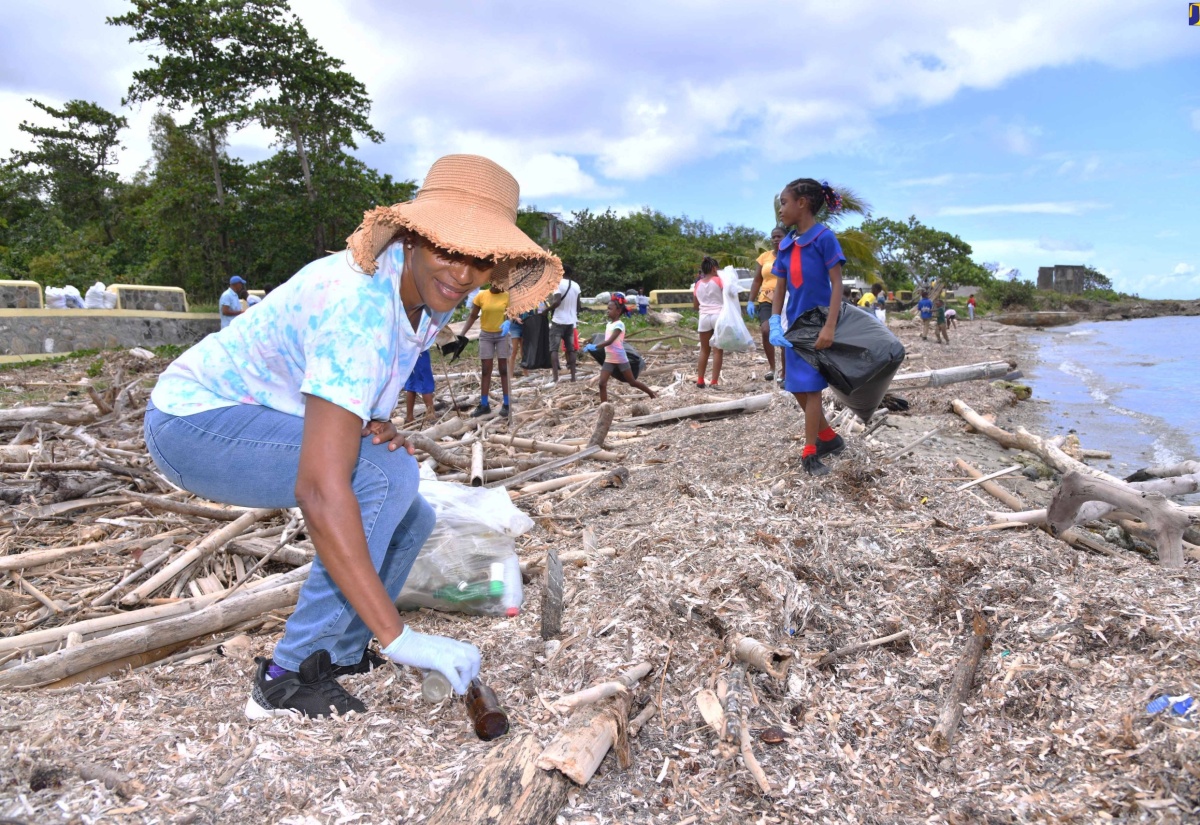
x: 1110, y: 295
x: 1010, y: 293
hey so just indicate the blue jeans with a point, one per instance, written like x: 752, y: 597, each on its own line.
x: 250, y: 456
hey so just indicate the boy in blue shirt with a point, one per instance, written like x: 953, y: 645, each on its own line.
x: 925, y: 310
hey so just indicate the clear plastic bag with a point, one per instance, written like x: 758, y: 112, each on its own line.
x: 469, y: 562
x: 56, y: 298
x: 730, y: 332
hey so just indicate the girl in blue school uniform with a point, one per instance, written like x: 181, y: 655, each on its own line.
x: 809, y: 262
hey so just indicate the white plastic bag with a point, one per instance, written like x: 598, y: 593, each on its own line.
x: 74, y: 299
x: 94, y: 299
x: 730, y: 333
x: 469, y: 562
x: 56, y: 298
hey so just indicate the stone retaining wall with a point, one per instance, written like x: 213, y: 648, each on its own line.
x: 20, y: 295
x: 158, y: 299
x: 25, y: 332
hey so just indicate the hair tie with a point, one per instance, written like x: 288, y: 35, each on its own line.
x: 832, y: 199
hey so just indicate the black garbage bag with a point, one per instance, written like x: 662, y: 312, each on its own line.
x: 535, y: 341
x: 860, y: 364
x: 635, y: 359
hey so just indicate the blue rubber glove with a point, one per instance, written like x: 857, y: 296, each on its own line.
x: 590, y: 348
x: 750, y: 309
x: 457, y: 661
x: 506, y: 328
x: 776, y: 337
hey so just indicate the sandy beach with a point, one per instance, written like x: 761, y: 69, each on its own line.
x: 718, y: 517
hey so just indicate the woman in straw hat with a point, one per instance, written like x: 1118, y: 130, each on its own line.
x: 292, y: 407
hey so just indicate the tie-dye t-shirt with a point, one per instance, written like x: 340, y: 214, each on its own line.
x: 329, y: 331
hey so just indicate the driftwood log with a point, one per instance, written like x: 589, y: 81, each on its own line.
x: 1167, y: 521
x: 542, y: 469
x: 1073, y: 537
x: 1022, y: 439
x: 952, y: 375
x: 552, y: 597
x: 859, y: 647
x: 720, y: 409
x: 69, y: 661
x: 39, y: 558
x: 476, y: 475
x: 960, y: 686
x: 592, y: 731
x: 552, y: 447
x: 202, y: 548
x: 773, y: 661
x: 604, y: 419
x: 65, y: 414
x: 507, y: 787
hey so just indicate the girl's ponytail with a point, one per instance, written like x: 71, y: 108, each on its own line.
x: 819, y: 194
x: 833, y: 201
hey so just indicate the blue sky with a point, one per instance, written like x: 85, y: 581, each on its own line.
x: 1040, y: 131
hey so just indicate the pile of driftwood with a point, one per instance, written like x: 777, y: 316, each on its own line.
x: 1140, y: 505
x: 115, y: 568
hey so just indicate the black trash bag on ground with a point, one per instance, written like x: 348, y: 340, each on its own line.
x: 860, y: 364
x: 635, y: 359
x: 535, y: 341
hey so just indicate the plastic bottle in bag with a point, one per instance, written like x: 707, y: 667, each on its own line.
x: 513, y: 590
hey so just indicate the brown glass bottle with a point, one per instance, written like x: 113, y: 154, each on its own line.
x: 483, y: 707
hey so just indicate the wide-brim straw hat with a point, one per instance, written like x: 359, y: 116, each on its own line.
x: 466, y: 206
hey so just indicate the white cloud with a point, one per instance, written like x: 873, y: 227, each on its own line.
x: 1019, y: 139
x: 1183, y: 269
x: 1038, y: 208
x: 630, y: 90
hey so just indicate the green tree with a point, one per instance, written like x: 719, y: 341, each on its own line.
x: 73, y: 158
x: 1094, y: 279
x: 912, y: 253
x: 310, y: 102
x: 184, y: 225
x: 203, y: 66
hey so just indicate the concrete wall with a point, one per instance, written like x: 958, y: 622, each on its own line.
x: 25, y: 332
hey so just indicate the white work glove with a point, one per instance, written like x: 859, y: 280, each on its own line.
x: 457, y: 661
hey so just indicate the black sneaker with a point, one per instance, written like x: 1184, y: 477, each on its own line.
x: 480, y: 411
x: 312, y: 692
x: 770, y: 376
x: 369, y: 661
x: 814, y: 467
x: 504, y: 411
x: 831, y: 447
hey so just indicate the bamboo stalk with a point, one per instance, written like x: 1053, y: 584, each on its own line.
x: 63, y: 663
x: 207, y: 545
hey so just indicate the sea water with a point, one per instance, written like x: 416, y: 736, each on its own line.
x: 1131, y: 388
